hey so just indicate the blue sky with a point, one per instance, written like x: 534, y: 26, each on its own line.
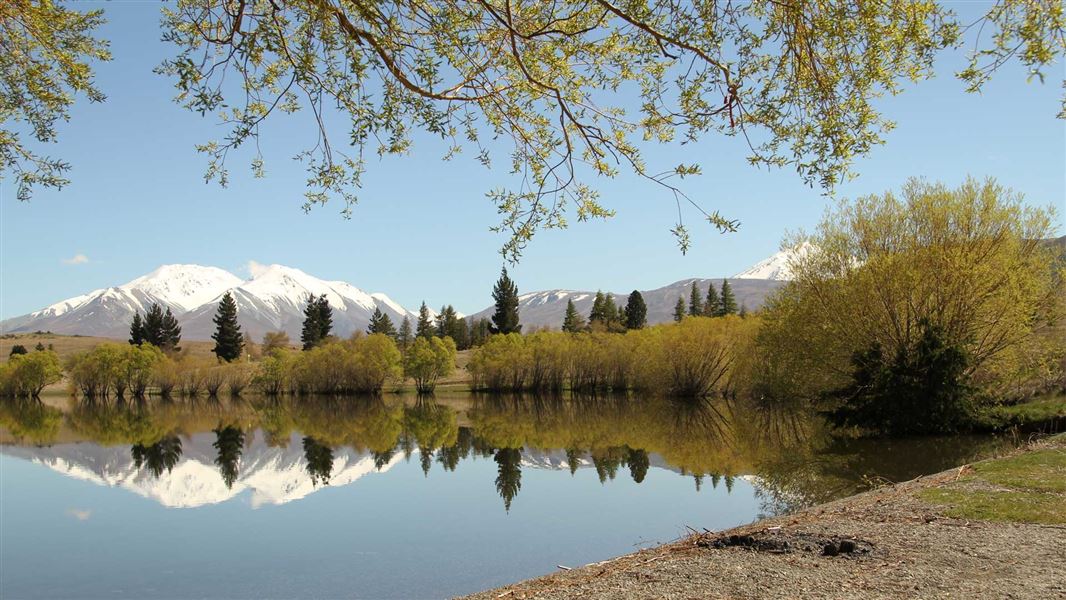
x: 421, y: 229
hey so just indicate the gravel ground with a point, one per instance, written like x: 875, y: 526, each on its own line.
x: 882, y: 544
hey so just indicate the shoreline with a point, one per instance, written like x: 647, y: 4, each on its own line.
x: 924, y: 537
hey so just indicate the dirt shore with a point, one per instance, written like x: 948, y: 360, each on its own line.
x: 915, y: 539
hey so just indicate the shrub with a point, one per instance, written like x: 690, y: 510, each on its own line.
x: 428, y: 360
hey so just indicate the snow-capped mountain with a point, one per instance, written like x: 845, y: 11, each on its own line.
x: 777, y: 267
x: 547, y: 308
x: 268, y: 474
x: 273, y: 299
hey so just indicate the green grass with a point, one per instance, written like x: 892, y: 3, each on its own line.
x: 1026, y: 488
x: 1038, y: 410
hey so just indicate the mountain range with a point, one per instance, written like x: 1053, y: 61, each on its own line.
x: 274, y: 297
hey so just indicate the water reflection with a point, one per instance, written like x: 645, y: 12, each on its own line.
x: 784, y: 451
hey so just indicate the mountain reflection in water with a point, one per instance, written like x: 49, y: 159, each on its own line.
x: 195, y: 453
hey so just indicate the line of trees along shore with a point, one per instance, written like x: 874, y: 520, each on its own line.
x: 910, y: 313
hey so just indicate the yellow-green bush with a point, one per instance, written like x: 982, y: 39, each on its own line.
x: 362, y: 364
x: 427, y: 360
x: 28, y: 374
x: 696, y: 357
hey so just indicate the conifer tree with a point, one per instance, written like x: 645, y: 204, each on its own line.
x: 572, y: 322
x: 39, y: 347
x: 18, y: 349
x: 448, y: 323
x: 170, y: 333
x: 636, y: 312
x: 713, y: 305
x: 381, y: 323
x: 137, y: 330
x: 599, y: 309
x: 460, y: 334
x: 729, y: 302
x: 505, y: 318
x: 679, y: 309
x: 153, y: 326
x: 311, y: 332
x: 695, y: 301
x: 425, y: 326
x: 610, y: 310
x: 405, y: 335
x: 743, y: 311
x: 227, y: 336
x: 325, y: 317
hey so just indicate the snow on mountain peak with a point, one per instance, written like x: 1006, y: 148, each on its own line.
x: 778, y: 267
x: 184, y: 286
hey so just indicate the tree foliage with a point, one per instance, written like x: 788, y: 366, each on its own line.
x: 635, y: 314
x: 227, y: 336
x: 572, y: 321
x: 427, y: 360
x: 505, y: 296
x: 965, y: 262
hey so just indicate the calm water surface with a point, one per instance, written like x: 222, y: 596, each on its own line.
x: 396, y: 498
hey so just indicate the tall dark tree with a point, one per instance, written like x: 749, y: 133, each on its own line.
x: 479, y: 332
x: 713, y: 305
x: 461, y: 334
x: 137, y: 330
x: 153, y: 325
x: 229, y: 442
x: 636, y: 312
x: 679, y: 309
x: 39, y: 347
x: 695, y: 301
x: 311, y: 333
x: 610, y: 310
x: 729, y: 301
x: 228, y: 339
x: 424, y: 328
x: 598, y: 314
x: 505, y: 318
x: 381, y: 323
x: 572, y: 321
x: 18, y: 349
x: 325, y: 317
x: 405, y: 335
x: 508, y: 474
x: 743, y: 312
x: 170, y: 333
x: 448, y: 323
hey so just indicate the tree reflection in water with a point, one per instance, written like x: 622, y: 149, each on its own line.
x: 783, y: 449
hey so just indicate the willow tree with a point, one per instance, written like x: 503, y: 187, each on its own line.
x: 565, y: 92
x: 967, y: 261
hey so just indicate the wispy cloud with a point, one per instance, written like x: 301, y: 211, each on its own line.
x: 255, y: 268
x: 81, y: 514
x: 77, y: 259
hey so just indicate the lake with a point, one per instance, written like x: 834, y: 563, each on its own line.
x: 398, y: 497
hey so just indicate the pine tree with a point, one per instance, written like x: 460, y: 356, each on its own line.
x: 18, y: 349
x: 460, y: 334
x: 679, y: 309
x: 448, y: 323
x: 170, y: 333
x: 610, y: 310
x: 505, y: 293
x: 572, y: 322
x: 227, y: 336
x: 311, y: 332
x: 636, y: 312
x: 695, y: 302
x: 713, y: 304
x: 39, y: 347
x: 325, y: 317
x: 425, y: 326
x: 598, y: 314
x: 405, y: 336
x: 381, y: 323
x: 137, y: 330
x: 153, y: 326
x: 729, y: 302
x: 743, y: 311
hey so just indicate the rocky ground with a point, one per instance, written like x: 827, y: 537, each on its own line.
x: 991, y: 530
